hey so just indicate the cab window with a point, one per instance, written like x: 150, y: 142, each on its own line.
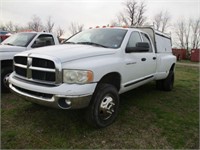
x: 134, y: 38
x: 43, y: 40
x: 146, y: 39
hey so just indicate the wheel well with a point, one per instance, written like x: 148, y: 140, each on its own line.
x: 113, y: 78
x: 6, y: 63
x: 172, y: 67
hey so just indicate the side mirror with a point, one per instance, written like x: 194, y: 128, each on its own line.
x: 140, y: 47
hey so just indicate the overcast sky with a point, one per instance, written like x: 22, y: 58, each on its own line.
x: 88, y: 12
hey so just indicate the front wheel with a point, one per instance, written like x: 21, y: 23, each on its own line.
x: 104, y: 106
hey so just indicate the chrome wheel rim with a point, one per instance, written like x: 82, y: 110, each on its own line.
x: 106, y: 108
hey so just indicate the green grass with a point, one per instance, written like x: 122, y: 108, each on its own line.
x: 148, y: 119
x: 188, y: 62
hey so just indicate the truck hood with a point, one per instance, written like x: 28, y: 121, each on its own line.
x: 8, y: 48
x: 72, y: 52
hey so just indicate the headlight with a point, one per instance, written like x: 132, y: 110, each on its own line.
x: 77, y: 76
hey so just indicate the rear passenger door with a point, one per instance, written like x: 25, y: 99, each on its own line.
x: 149, y: 56
x: 139, y: 65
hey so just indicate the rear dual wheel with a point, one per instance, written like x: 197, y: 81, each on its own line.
x: 166, y: 84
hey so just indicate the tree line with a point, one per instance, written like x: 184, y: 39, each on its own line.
x: 36, y: 24
x: 186, y: 33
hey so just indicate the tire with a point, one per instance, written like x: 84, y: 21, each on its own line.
x: 168, y: 83
x: 5, y: 72
x: 159, y: 84
x: 104, y: 106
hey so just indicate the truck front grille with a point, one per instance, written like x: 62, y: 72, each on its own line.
x: 43, y: 75
x: 21, y: 60
x: 43, y: 63
x: 20, y: 71
x: 36, y: 69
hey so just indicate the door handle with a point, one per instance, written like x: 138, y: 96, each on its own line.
x: 154, y: 58
x: 143, y: 59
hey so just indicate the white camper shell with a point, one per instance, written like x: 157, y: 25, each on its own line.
x: 162, y: 42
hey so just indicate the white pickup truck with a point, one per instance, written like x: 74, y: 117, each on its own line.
x: 17, y: 43
x: 92, y: 68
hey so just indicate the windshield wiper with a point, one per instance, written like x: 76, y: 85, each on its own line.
x: 91, y: 43
x: 8, y: 44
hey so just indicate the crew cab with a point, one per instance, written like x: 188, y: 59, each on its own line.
x: 92, y: 68
x: 17, y: 43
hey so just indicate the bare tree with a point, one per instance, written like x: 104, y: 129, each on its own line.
x: 133, y: 15
x: 161, y: 20
x: 157, y: 20
x: 135, y: 12
x: 112, y: 23
x: 17, y: 28
x: 140, y: 15
x: 75, y: 28
x: 2, y: 27
x: 60, y: 31
x: 9, y: 26
x: 49, y: 24
x: 195, y: 33
x: 187, y: 33
x: 183, y: 32
x: 165, y: 22
x: 120, y: 20
x: 131, y: 8
x: 35, y: 24
x: 180, y: 30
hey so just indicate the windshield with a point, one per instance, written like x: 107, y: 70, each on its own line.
x: 109, y: 38
x: 19, y: 39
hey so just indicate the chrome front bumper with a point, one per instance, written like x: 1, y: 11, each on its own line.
x: 63, y: 97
